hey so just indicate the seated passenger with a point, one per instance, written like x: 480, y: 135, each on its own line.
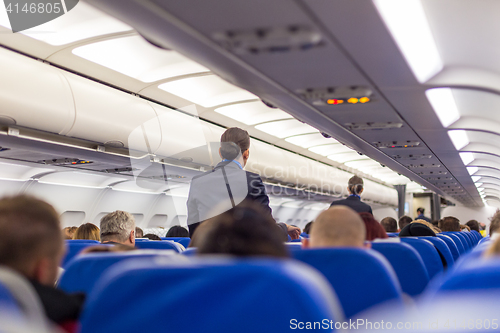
x: 449, y: 223
x: 338, y: 226
x: 307, y: 228
x: 88, y: 231
x: 404, y: 221
x: 464, y: 227
x: 246, y: 230
x: 430, y: 225
x: 416, y: 229
x: 139, y: 233
x: 31, y: 243
x: 118, y: 228
x: 373, y: 228
x: 473, y: 225
x: 389, y: 224
x: 177, y: 231
x: 69, y: 232
x: 152, y: 237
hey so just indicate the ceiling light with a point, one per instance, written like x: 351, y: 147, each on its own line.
x: 346, y: 157
x: 467, y: 158
x: 478, y: 184
x: 207, y: 91
x: 327, y: 150
x: 444, y: 105
x: 408, y: 25
x: 472, y: 170
x: 285, y: 128
x: 82, y: 22
x: 475, y: 178
x: 252, y: 113
x: 310, y: 140
x: 134, y: 57
x: 459, y: 138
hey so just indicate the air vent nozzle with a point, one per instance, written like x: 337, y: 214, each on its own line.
x: 373, y: 125
x: 397, y: 144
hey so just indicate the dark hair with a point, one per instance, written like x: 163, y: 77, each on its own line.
x: 177, y: 231
x: 233, y: 141
x: 435, y: 223
x: 355, y: 184
x: 389, y: 224
x: 415, y: 230
x: 245, y: 230
x: 307, y: 228
x: 473, y: 225
x: 404, y: 221
x: 152, y: 237
x: 420, y: 210
x: 29, y: 228
x: 449, y: 223
x: 495, y: 222
x: 139, y: 233
x: 373, y: 228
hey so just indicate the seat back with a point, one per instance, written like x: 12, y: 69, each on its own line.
x: 82, y: 241
x: 393, y: 234
x: 458, y: 241
x: 159, y: 245
x: 361, y: 278
x: 462, y: 238
x: 429, y: 254
x: 210, y: 296
x: 83, y: 272
x: 451, y: 245
x: 443, y: 250
x: 184, y: 241
x: 72, y: 250
x: 477, y: 235
x: 468, y: 237
x: 484, y: 239
x: 407, y: 264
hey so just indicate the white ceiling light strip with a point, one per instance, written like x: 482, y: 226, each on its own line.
x: 135, y: 57
x: 444, y: 105
x: 459, y: 138
x: 409, y: 27
x: 467, y: 158
x: 286, y: 128
x: 252, y: 113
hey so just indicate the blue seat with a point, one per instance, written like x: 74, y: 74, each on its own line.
x: 83, y: 272
x: 7, y: 301
x: 158, y: 245
x: 393, y: 234
x: 190, y: 251
x: 298, y: 240
x: 443, y: 250
x: 407, y: 264
x: 184, y: 241
x: 304, y: 235
x: 429, y: 254
x: 472, y: 256
x: 361, y: 278
x: 484, y: 239
x: 451, y: 245
x: 458, y: 241
x: 210, y: 296
x: 477, y: 234
x: 82, y: 241
x: 73, y: 248
x: 468, y: 237
x: 467, y: 246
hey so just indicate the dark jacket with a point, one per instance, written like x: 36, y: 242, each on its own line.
x: 355, y: 203
x: 422, y: 217
x: 211, y: 192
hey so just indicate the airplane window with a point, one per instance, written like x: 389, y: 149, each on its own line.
x: 72, y: 218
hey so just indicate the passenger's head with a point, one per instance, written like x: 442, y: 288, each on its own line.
x: 177, y: 231
x: 420, y: 211
x: 338, y: 226
x: 389, y: 224
x: 464, y: 227
x: 431, y: 226
x: 31, y: 241
x: 404, y: 221
x: 373, y: 228
x: 152, y: 237
x: 416, y: 229
x: 473, y: 225
x: 69, y: 232
x: 87, y: 231
x: 355, y: 185
x: 118, y: 227
x: 241, y: 144
x: 139, y: 233
x: 244, y: 231
x: 449, y: 223
x: 495, y: 223
x: 307, y: 228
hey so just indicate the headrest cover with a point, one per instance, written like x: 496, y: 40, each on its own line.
x: 415, y: 230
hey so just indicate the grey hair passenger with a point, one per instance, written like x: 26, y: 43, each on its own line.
x: 118, y: 227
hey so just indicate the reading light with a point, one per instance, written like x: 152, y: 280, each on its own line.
x: 444, y: 105
x: 467, y: 158
x: 472, y: 170
x: 459, y: 138
x: 352, y: 100
x: 408, y: 25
